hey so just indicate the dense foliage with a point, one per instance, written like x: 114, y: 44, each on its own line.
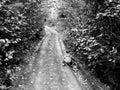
x: 20, y: 27
x: 96, y: 41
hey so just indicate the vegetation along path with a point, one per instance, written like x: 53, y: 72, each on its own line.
x: 50, y: 74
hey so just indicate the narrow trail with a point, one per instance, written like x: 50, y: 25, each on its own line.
x: 49, y: 72
x: 52, y: 75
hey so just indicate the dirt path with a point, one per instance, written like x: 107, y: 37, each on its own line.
x: 51, y: 74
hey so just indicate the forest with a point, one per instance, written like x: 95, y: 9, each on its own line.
x: 95, y: 42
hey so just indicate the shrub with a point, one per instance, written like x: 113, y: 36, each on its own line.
x: 20, y: 27
x: 96, y: 42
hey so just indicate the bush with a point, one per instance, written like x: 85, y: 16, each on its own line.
x: 20, y: 27
x: 96, y: 42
